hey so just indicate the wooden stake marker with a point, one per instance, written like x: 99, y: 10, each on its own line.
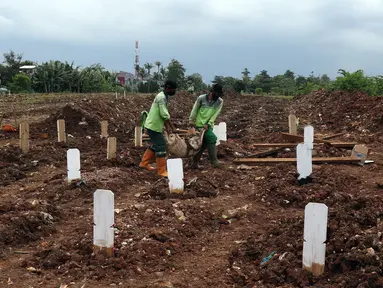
x: 111, y: 148
x: 24, y: 137
x: 315, y: 230
x: 103, y: 219
x: 61, y: 135
x: 138, y: 136
x: 292, y: 124
x: 104, y: 129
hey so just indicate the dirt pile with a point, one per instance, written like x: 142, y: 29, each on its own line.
x: 14, y: 165
x: 255, y: 119
x: 340, y: 111
x: 354, y: 236
x: 84, y: 116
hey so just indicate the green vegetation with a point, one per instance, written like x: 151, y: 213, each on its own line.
x: 57, y: 76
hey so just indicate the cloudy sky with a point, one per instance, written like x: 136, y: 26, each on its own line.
x: 212, y: 37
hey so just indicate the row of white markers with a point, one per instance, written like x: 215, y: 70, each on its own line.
x: 315, y: 225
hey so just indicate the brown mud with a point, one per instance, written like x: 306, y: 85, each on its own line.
x: 218, y: 232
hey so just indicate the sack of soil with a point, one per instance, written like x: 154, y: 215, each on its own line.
x: 184, y: 147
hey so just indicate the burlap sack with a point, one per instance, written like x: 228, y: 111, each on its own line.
x: 183, y: 147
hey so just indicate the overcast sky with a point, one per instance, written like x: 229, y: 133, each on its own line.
x: 212, y: 37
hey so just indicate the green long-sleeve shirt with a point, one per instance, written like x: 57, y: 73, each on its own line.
x: 158, y: 113
x: 205, y: 112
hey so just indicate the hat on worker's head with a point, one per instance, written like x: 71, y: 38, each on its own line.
x: 170, y: 84
x: 217, y: 88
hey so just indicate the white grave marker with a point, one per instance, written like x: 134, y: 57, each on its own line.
x: 176, y: 175
x: 315, y: 230
x: 304, y: 154
x: 222, y: 131
x: 103, y: 219
x: 309, y: 136
x: 304, y: 161
x: 73, y: 165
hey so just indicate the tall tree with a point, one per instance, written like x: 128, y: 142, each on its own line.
x: 142, y: 73
x: 148, y: 67
x: 289, y: 74
x: 176, y: 72
x: 263, y: 81
x: 219, y: 80
x: 197, y: 82
x: 11, y: 66
x: 158, y: 64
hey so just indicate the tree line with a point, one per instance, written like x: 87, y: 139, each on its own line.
x: 57, y: 76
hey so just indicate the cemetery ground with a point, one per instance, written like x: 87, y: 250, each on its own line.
x: 219, y: 231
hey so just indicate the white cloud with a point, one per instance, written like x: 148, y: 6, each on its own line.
x: 5, y: 24
x: 115, y: 21
x: 268, y: 33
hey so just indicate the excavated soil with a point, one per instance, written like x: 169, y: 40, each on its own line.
x: 218, y: 232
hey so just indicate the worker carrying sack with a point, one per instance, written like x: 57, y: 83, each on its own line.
x: 184, y: 147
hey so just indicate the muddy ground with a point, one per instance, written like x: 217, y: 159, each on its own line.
x: 218, y: 232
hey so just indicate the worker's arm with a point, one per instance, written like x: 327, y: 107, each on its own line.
x: 163, y: 109
x: 215, y: 115
x: 194, y: 112
x: 164, y: 113
x: 169, y: 126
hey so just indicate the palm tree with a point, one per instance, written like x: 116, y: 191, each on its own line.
x: 158, y: 64
x: 148, y: 66
x: 245, y: 73
x: 142, y: 73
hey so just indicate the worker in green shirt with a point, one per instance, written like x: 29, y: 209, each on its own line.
x: 158, y: 119
x: 205, y: 110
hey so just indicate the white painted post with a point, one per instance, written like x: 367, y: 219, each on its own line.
x: 304, y: 161
x: 222, y: 131
x: 138, y: 136
x: 216, y: 132
x: 176, y: 175
x: 315, y: 233
x: 304, y: 154
x: 309, y: 136
x: 293, y: 124
x: 103, y: 219
x: 73, y: 165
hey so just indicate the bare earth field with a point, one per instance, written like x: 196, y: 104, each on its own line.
x: 233, y: 216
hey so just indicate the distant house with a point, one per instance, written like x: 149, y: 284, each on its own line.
x: 125, y: 78
x: 28, y: 69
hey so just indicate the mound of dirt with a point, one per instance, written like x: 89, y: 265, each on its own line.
x: 123, y: 115
x: 14, y: 165
x: 340, y: 111
x: 353, y: 251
